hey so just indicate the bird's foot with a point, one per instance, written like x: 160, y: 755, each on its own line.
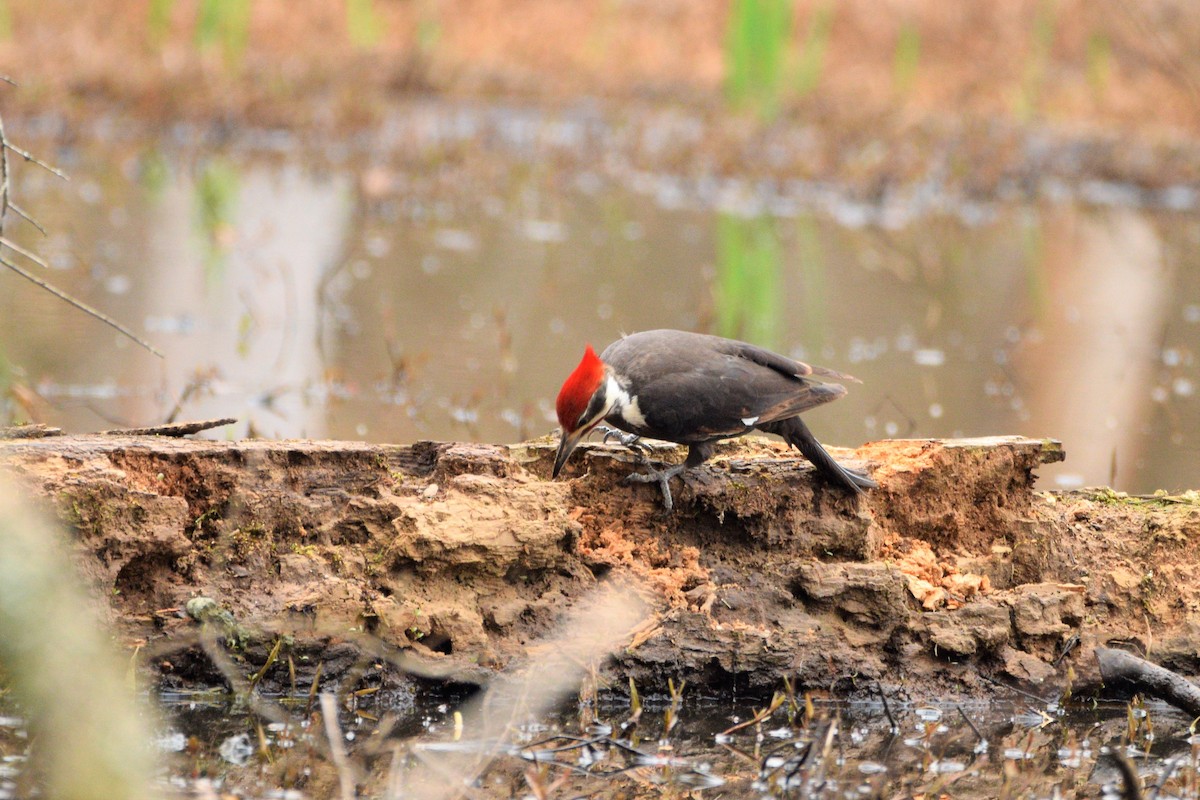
x: 860, y: 479
x: 662, y: 477
x: 630, y: 440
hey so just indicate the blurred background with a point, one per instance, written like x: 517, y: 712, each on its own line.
x: 394, y: 220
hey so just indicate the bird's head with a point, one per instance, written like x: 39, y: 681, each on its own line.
x: 583, y: 402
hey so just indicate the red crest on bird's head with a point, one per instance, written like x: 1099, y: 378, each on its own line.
x: 578, y: 388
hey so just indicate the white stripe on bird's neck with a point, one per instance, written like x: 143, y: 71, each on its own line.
x: 624, y: 404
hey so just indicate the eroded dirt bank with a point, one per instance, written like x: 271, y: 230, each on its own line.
x: 461, y: 557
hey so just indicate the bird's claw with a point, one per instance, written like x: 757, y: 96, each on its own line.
x: 642, y: 450
x: 630, y: 440
x: 663, y: 478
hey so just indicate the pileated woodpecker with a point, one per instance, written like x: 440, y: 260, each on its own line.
x: 694, y: 389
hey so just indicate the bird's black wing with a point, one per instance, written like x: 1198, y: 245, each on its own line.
x: 781, y: 364
x: 796, y: 393
x: 692, y: 389
x: 723, y: 390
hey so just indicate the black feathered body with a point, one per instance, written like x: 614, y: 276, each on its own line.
x: 695, y: 389
x: 691, y: 388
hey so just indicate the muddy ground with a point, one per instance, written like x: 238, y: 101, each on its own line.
x: 458, y: 560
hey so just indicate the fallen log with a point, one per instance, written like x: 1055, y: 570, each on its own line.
x: 1123, y: 671
x: 462, y: 555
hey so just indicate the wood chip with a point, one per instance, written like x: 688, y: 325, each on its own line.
x: 37, y: 431
x: 175, y: 429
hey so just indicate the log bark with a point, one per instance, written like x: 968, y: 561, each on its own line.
x: 1126, y: 672
x: 462, y: 557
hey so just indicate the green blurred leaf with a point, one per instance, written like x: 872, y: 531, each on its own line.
x: 92, y: 734
x: 755, y: 53
x: 224, y: 23
x: 363, y: 23
x: 429, y: 29
x: 154, y: 171
x: 811, y: 63
x: 814, y: 289
x: 158, y: 20
x: 907, y: 58
x: 245, y: 333
x: 1045, y: 23
x: 747, y: 290
x: 216, y: 197
x: 6, y: 25
x: 1099, y: 63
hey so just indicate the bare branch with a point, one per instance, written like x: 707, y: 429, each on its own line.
x: 1128, y: 671
x: 35, y: 258
x: 337, y: 750
x: 5, y: 186
x: 177, y: 429
x: 6, y: 204
x: 23, y: 214
x: 35, y: 431
x: 30, y: 157
x: 84, y: 307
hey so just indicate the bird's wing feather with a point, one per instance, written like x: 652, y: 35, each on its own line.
x: 688, y: 392
x: 781, y: 364
x: 727, y: 396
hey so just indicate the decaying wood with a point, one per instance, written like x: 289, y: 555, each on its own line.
x: 1124, y: 671
x: 173, y: 429
x: 35, y: 431
x: 38, y: 431
x: 951, y: 575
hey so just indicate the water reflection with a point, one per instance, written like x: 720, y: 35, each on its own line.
x: 747, y: 291
x: 430, y: 292
x: 1108, y: 288
x: 841, y: 749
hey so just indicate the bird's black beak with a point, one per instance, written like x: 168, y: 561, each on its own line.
x: 565, y: 446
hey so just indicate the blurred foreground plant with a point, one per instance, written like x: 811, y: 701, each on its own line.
x: 90, y: 741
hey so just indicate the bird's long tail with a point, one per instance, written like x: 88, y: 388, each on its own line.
x: 797, y: 434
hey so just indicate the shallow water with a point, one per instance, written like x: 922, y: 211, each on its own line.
x: 1008, y: 747
x: 439, y: 279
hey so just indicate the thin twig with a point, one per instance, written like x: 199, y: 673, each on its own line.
x: 34, y: 257
x: 5, y: 185
x: 1166, y: 775
x: 314, y: 688
x: 1131, y: 784
x: 822, y: 766
x: 274, y: 654
x: 337, y: 750
x: 887, y: 709
x: 396, y: 775
x: 37, y: 431
x: 759, y: 715
x: 177, y: 429
x: 84, y: 307
x: 30, y: 157
x: 199, y: 381
x: 451, y: 778
x: 1016, y: 689
x: 23, y: 214
x: 970, y: 724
